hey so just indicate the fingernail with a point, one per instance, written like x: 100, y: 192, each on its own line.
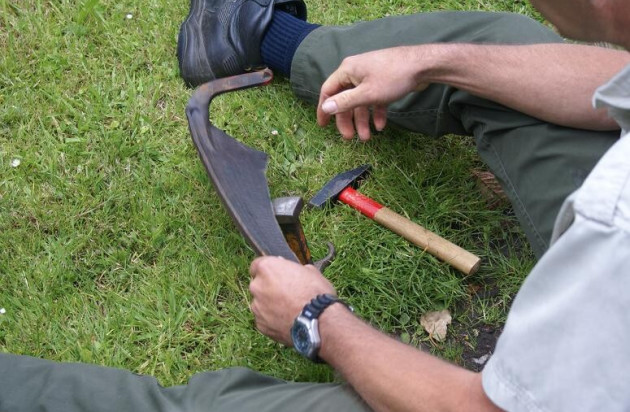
x: 329, y: 106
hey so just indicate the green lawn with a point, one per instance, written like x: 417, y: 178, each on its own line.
x: 115, y: 250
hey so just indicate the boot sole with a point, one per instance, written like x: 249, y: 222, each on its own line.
x: 190, y: 47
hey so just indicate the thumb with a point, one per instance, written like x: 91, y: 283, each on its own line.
x: 344, y: 101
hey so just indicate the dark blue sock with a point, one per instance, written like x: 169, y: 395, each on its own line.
x: 284, y: 35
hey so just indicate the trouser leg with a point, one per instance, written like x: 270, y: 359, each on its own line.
x: 29, y: 384
x: 538, y: 164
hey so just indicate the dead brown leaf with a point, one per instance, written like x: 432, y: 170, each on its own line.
x: 435, y: 323
x: 490, y: 189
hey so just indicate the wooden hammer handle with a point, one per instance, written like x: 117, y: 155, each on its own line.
x: 439, y: 247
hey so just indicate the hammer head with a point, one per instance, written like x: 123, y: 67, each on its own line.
x: 331, y: 190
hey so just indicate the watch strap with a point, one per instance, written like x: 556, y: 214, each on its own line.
x: 311, y: 313
x: 319, y: 303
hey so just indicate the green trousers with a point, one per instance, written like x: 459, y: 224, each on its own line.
x: 537, y: 163
x: 29, y: 384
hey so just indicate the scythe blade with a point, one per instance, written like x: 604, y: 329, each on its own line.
x: 237, y: 171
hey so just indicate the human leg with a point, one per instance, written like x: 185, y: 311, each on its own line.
x: 538, y: 164
x: 30, y: 384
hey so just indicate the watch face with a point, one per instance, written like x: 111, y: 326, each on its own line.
x: 301, y: 337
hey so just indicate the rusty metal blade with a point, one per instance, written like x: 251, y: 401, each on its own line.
x: 237, y: 171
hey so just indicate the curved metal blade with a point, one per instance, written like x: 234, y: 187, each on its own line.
x: 237, y: 171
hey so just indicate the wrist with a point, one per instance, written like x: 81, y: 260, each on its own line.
x: 437, y: 63
x: 332, y: 324
x: 305, y: 332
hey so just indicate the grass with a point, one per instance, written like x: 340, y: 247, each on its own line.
x: 114, y: 249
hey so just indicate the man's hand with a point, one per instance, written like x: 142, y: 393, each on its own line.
x: 389, y: 375
x: 363, y: 82
x: 560, y: 80
x: 280, y: 289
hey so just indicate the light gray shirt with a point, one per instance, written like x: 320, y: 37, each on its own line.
x: 566, y: 342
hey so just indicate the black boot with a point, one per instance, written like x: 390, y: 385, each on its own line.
x: 222, y: 38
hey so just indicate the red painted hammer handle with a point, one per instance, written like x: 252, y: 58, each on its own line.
x: 439, y: 247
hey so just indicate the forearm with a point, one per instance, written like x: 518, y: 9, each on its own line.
x: 552, y: 82
x: 391, y: 376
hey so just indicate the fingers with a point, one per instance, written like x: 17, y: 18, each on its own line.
x: 379, y: 114
x: 362, y: 122
x: 341, y: 92
x: 279, y: 289
x: 260, y: 260
x: 254, y: 308
x: 254, y: 268
x: 343, y: 101
x: 357, y: 121
x: 323, y: 118
x: 349, y: 101
x: 354, y: 120
x: 345, y: 125
x: 338, y: 81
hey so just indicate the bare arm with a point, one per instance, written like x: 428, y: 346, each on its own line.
x: 553, y: 82
x: 389, y: 375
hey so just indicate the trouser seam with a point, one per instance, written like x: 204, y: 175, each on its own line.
x: 411, y: 113
x: 304, y: 92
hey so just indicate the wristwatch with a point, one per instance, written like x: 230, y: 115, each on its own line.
x: 305, y: 330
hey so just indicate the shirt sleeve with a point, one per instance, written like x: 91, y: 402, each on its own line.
x: 566, y: 342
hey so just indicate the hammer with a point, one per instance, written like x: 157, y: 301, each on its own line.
x: 342, y: 187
